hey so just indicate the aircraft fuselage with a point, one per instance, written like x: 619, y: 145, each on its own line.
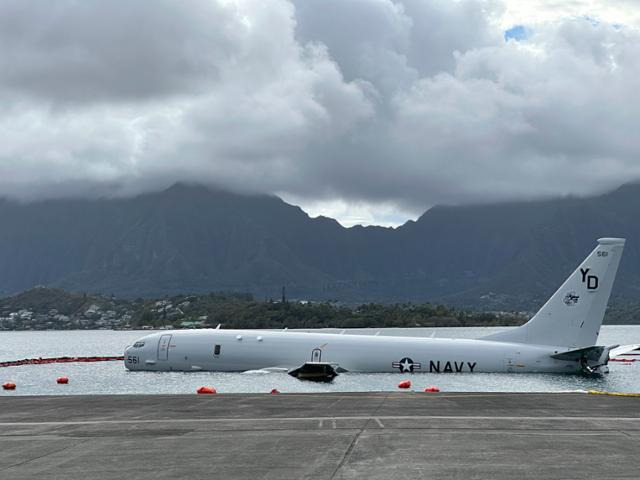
x: 242, y: 350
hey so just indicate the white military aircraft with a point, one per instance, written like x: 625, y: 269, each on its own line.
x: 561, y: 337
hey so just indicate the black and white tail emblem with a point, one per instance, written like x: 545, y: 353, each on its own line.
x: 571, y: 298
x: 407, y: 365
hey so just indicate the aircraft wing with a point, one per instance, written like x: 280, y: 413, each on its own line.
x: 268, y: 370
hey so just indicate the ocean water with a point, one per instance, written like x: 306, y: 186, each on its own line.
x: 113, y: 378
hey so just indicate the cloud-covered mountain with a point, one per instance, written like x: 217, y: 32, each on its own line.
x: 193, y: 239
x: 376, y: 103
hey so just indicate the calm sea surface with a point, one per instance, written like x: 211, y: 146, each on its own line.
x: 112, y: 378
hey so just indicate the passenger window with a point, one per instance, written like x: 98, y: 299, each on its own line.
x: 216, y: 350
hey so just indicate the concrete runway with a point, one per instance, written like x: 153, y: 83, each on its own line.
x: 325, y: 436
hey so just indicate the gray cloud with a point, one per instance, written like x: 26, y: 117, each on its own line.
x: 92, y: 50
x: 375, y: 102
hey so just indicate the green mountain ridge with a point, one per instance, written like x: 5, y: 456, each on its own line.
x: 191, y: 239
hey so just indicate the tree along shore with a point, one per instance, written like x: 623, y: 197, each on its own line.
x: 53, y: 309
x: 45, y: 308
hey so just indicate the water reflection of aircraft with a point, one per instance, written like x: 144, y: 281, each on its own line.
x: 561, y: 337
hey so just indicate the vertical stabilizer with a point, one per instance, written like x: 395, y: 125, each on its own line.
x: 573, y: 315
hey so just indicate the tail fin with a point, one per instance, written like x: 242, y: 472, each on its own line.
x: 573, y: 315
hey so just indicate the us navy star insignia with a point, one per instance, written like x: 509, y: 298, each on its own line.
x: 407, y: 365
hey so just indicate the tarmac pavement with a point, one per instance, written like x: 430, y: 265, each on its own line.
x: 320, y: 436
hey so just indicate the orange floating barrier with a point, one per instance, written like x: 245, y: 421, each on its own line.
x: 45, y: 361
x: 405, y: 384
x: 9, y: 386
x: 431, y: 389
x: 206, y: 391
x: 62, y: 380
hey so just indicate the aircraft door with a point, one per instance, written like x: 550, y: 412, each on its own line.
x: 512, y: 362
x: 163, y: 347
x: 316, y: 355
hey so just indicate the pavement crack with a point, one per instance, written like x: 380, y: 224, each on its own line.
x: 347, y: 454
x: 29, y: 460
x: 627, y: 434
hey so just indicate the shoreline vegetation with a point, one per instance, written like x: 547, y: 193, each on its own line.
x: 53, y: 309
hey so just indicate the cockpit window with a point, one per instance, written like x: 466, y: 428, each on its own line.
x: 138, y: 345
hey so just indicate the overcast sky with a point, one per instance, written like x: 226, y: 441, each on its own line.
x: 369, y: 111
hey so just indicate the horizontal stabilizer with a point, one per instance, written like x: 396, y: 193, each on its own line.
x: 593, y: 360
x: 589, y: 353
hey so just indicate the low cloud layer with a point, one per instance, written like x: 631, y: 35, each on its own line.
x: 349, y: 107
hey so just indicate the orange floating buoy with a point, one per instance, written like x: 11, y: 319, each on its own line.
x: 275, y: 390
x: 62, y: 380
x: 9, y: 386
x: 405, y: 384
x: 432, y: 389
x: 206, y: 390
